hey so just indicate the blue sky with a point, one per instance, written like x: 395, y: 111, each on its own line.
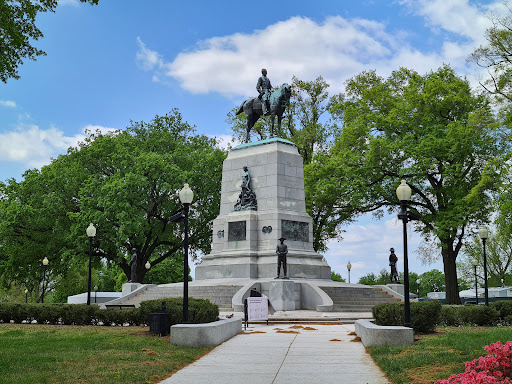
x: 131, y: 60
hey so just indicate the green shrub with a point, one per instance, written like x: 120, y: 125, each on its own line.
x: 199, y: 310
x: 45, y: 313
x: 504, y: 309
x: 388, y: 314
x: 476, y: 315
x: 78, y: 314
x: 424, y: 315
x: 448, y: 316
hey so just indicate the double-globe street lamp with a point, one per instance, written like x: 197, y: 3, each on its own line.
x: 403, y: 192
x: 45, y: 265
x: 484, y: 234
x: 475, y: 263
x: 91, y: 233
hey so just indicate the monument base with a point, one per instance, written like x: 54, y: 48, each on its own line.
x: 129, y: 288
x: 282, y: 295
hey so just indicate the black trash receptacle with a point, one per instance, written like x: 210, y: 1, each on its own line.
x: 158, y: 321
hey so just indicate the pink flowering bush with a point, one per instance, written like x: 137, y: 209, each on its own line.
x: 496, y: 367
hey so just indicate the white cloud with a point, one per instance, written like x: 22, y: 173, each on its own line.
x: 73, y: 3
x: 7, y: 103
x: 34, y: 147
x: 336, y: 49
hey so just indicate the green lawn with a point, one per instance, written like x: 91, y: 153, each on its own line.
x: 437, y: 356
x: 88, y: 354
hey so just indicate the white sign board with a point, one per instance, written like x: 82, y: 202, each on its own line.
x: 257, y: 308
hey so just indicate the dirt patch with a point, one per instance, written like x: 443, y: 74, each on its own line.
x: 310, y: 329
x: 355, y: 340
x: 250, y: 333
x: 149, y: 363
x: 283, y: 331
x: 334, y: 340
x: 296, y: 326
x: 352, y: 334
x: 149, y: 352
x: 438, y: 371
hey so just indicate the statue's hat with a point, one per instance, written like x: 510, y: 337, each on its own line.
x: 282, y: 238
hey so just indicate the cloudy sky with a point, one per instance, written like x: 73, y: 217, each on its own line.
x: 130, y: 60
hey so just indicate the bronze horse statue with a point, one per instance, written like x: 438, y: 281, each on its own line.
x: 279, y: 100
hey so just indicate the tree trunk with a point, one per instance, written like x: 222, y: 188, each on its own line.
x: 450, y: 273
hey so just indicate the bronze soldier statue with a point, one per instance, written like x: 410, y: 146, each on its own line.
x: 282, y: 251
x: 264, y: 89
x: 392, y: 263
x: 133, y: 266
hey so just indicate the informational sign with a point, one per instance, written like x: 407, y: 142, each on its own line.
x: 257, y: 308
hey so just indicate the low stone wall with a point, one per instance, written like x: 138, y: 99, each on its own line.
x: 372, y: 334
x: 207, y: 334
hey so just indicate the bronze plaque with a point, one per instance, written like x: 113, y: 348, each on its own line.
x: 295, y: 230
x: 236, y: 231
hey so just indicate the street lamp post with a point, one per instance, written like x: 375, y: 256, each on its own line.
x: 349, y: 266
x: 91, y: 233
x: 403, y: 193
x: 484, y: 234
x: 186, y: 196
x: 26, y: 296
x: 475, y: 263
x: 418, y: 288
x: 95, y: 293
x: 45, y: 264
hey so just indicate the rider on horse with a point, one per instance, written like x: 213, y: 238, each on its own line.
x: 264, y: 88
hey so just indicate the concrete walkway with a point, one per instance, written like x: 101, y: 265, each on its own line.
x: 285, y: 353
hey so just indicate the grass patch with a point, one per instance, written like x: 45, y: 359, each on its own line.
x: 88, y: 355
x: 437, y: 356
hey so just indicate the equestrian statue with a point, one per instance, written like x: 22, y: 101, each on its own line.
x: 269, y: 102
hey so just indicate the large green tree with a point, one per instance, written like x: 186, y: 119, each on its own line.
x: 431, y: 130
x: 18, y: 30
x: 126, y: 183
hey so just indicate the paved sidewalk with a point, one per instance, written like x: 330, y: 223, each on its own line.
x: 271, y: 354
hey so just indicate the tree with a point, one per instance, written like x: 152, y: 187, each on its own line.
x: 431, y: 281
x: 496, y: 57
x: 125, y: 183
x: 337, y: 277
x: 17, y: 29
x: 430, y: 130
x: 498, y: 254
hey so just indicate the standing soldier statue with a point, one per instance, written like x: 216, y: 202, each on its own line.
x: 264, y: 89
x: 282, y: 251
x: 133, y: 266
x: 392, y: 263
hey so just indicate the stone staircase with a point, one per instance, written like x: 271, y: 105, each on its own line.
x: 220, y: 295
x: 357, y: 299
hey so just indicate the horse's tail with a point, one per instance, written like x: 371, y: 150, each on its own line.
x: 241, y: 109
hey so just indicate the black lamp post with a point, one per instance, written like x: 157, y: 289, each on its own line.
x: 475, y: 263
x: 26, y: 296
x: 186, y: 196
x: 403, y: 193
x: 91, y: 233
x: 418, y: 288
x: 95, y: 293
x: 45, y: 264
x: 484, y: 234
x: 349, y: 266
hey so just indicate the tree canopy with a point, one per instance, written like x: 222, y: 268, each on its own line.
x: 126, y: 184
x: 430, y: 130
x: 18, y: 29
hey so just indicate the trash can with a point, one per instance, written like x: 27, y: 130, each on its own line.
x: 158, y: 321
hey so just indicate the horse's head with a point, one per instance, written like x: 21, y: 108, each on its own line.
x: 285, y: 93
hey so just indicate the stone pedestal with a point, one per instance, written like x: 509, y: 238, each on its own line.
x: 281, y: 295
x: 129, y: 288
x: 397, y: 288
x: 244, y: 242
